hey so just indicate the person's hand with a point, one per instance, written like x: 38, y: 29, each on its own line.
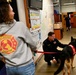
x: 35, y: 51
x: 54, y: 61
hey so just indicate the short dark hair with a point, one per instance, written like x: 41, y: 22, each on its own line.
x: 50, y: 33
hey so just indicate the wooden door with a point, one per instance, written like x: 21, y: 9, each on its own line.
x: 73, y: 19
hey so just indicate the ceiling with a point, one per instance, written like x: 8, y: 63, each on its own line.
x: 64, y: 5
x: 66, y: 2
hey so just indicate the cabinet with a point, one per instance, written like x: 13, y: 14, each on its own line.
x: 56, y: 18
x: 58, y: 33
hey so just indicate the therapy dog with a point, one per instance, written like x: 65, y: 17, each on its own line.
x: 67, y: 57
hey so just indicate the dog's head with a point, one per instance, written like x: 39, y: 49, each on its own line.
x: 73, y: 41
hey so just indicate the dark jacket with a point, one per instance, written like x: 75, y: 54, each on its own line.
x: 51, y: 47
x: 67, y: 19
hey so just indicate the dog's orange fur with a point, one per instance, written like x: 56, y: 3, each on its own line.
x: 69, y: 65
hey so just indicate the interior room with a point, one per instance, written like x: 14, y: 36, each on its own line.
x: 42, y: 17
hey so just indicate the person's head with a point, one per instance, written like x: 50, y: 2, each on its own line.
x: 6, y: 12
x: 51, y: 36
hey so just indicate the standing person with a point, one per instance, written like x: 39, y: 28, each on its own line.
x: 15, y: 43
x: 67, y: 19
x: 50, y: 45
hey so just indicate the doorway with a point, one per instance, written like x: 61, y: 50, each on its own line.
x: 72, y: 16
x: 73, y: 19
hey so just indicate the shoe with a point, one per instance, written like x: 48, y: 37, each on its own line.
x: 49, y: 63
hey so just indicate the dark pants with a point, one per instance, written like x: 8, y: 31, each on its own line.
x: 48, y: 57
x: 2, y: 68
x: 3, y: 71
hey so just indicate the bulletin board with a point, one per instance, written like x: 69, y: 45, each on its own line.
x: 35, y: 24
x: 35, y: 19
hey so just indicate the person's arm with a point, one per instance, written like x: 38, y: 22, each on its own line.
x: 60, y: 44
x: 30, y: 41
x: 45, y: 47
x: 27, y: 37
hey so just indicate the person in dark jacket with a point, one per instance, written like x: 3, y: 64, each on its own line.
x: 50, y: 45
x: 67, y: 19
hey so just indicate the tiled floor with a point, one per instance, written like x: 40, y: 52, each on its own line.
x: 43, y: 69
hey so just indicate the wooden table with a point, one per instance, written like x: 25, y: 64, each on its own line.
x: 58, y: 33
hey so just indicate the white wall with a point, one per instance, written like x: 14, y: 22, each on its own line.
x: 47, y: 18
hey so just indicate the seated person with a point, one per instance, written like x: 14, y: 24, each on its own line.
x: 50, y: 45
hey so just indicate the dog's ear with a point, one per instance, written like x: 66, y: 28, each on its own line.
x: 72, y: 38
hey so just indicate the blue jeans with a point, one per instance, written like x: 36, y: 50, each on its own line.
x: 24, y: 70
